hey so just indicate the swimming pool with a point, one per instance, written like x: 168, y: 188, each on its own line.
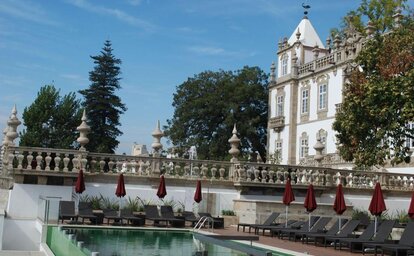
x: 126, y: 242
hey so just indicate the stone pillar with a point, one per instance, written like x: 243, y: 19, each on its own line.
x: 84, y: 130
x: 272, y: 73
x: 234, y: 143
x: 157, y: 134
x: 12, y: 123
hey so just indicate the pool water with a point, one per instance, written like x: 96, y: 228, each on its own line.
x: 126, y: 242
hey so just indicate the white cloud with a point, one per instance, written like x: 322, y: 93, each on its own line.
x: 207, y: 50
x: 113, y: 12
x: 26, y: 10
x: 217, y: 51
x: 134, y: 2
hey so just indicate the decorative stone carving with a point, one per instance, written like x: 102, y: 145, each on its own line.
x: 157, y: 134
x: 234, y: 143
x: 12, y: 123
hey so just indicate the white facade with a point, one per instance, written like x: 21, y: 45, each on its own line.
x: 311, y: 88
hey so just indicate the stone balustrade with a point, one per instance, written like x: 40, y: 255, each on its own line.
x: 46, y: 160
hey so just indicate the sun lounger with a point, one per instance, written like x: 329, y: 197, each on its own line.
x: 126, y: 214
x: 269, y: 221
x: 304, y: 228
x: 151, y: 213
x: 383, y: 232
x: 292, y: 224
x: 217, y: 222
x: 86, y: 212
x: 400, y: 247
x: 190, y: 217
x: 367, y: 234
x: 168, y: 214
x: 346, y: 231
x: 67, y: 211
x: 112, y: 215
x: 333, y: 230
x: 317, y: 228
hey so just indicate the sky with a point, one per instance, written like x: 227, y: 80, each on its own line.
x: 161, y: 43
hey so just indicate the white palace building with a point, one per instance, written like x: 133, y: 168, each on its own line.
x: 305, y: 91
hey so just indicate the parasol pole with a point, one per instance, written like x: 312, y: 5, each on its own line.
x: 375, y: 225
x: 339, y: 216
x: 309, y: 220
x: 287, y: 207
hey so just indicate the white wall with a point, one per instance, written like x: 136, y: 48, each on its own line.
x: 21, y: 235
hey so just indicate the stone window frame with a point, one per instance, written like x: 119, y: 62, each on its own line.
x: 304, y: 147
x: 320, y: 81
x: 280, y: 93
x: 323, y: 135
x: 279, y: 148
x: 284, y: 60
x: 304, y: 116
x: 409, y: 142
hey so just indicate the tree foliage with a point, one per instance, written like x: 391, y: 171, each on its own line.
x: 102, y: 105
x: 210, y: 103
x: 51, y: 120
x: 378, y: 102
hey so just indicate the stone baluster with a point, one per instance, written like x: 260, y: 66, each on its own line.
x: 411, y: 181
x: 349, y: 180
x: 39, y: 159
x: 315, y: 177
x: 321, y: 177
x: 249, y: 174
x: 29, y: 160
x: 264, y: 176
x: 20, y: 158
x: 187, y: 171
x: 83, y: 162
x: 368, y: 182
x: 66, y: 161
x: 391, y: 182
x: 57, y: 160
x: 328, y: 180
x: 271, y: 175
x: 214, y: 172
x: 278, y: 177
x: 177, y: 170
x: 298, y: 174
x: 222, y: 171
x: 204, y: 171
x: 308, y: 177
x: 355, y: 181
x: 119, y: 166
x: 101, y: 165
x: 293, y: 176
x: 256, y: 173
x: 75, y: 162
x: 84, y: 130
x: 405, y: 182
x: 93, y: 165
x: 48, y: 159
x: 111, y: 165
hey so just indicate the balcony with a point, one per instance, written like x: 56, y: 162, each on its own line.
x: 277, y: 123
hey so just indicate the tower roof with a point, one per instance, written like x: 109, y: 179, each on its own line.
x: 308, y: 35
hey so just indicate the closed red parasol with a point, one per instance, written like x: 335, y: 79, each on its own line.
x: 80, y: 183
x: 377, y: 205
x: 120, y: 190
x: 411, y: 209
x: 310, y: 202
x: 197, y: 195
x: 339, y: 203
x: 162, y: 191
x: 288, y: 197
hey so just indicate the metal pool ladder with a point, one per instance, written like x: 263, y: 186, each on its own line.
x: 201, y: 222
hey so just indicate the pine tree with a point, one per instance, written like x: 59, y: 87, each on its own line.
x: 51, y: 120
x: 102, y: 105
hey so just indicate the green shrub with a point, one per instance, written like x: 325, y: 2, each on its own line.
x: 228, y: 213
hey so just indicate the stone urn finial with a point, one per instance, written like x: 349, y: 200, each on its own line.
x: 157, y: 134
x: 234, y: 143
x: 318, y: 148
x: 272, y: 72
x: 84, y: 130
x: 12, y: 123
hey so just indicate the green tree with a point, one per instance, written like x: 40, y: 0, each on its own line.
x: 102, y: 105
x: 210, y: 103
x: 378, y: 102
x: 51, y: 120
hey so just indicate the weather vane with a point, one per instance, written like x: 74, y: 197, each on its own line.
x: 305, y: 7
